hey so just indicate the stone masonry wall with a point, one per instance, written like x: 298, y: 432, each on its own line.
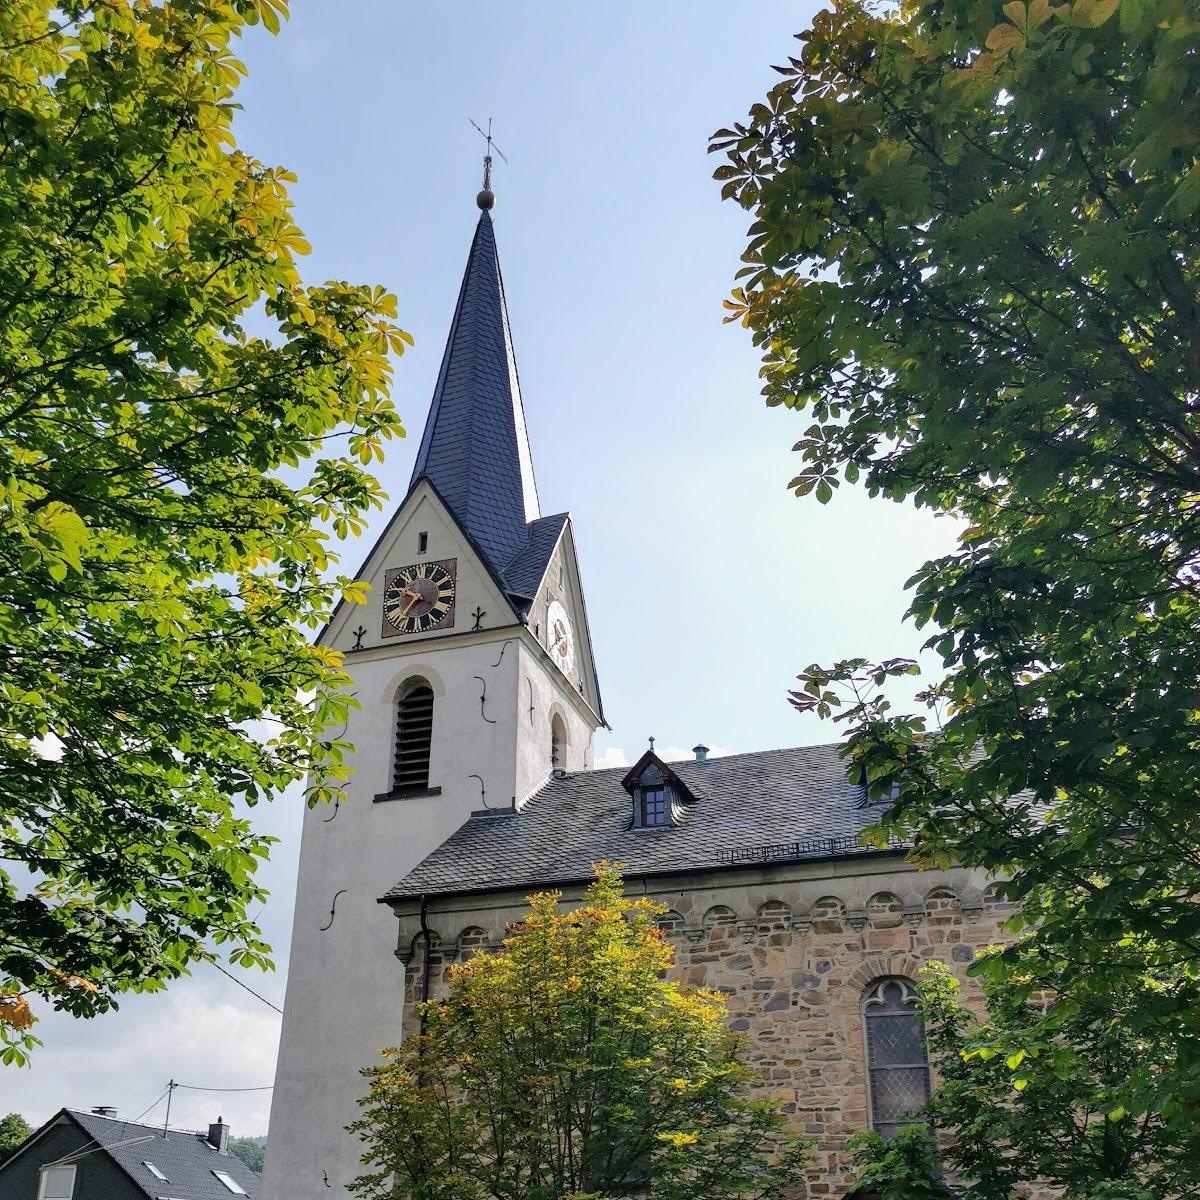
x: 794, y: 957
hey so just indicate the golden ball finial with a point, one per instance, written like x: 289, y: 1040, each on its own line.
x: 486, y: 199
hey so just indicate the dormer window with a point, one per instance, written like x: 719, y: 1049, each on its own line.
x: 659, y: 796
x: 885, y: 794
x: 885, y: 791
x: 654, y: 804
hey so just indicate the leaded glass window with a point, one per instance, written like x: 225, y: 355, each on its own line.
x: 897, y: 1062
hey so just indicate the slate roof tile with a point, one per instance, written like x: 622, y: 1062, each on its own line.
x: 524, y: 574
x: 772, y: 804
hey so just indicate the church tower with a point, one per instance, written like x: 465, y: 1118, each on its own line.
x: 472, y: 664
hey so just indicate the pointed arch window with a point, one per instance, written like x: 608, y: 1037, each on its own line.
x: 897, y: 1061
x: 414, y: 733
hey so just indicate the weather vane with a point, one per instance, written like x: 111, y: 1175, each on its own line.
x: 486, y: 197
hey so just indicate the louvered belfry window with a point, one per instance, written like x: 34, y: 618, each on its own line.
x: 414, y: 730
x: 897, y: 1063
x: 558, y: 743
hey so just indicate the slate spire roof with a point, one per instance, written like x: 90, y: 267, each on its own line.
x: 475, y: 449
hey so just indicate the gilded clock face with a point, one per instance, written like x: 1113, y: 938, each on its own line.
x: 560, y: 638
x: 419, y: 598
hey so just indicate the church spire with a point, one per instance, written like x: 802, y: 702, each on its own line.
x: 475, y: 449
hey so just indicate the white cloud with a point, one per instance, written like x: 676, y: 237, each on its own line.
x: 678, y: 753
x: 614, y: 756
x: 199, y: 1033
x: 611, y: 756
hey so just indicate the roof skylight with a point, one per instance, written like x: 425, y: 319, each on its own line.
x: 154, y: 1171
x: 231, y: 1183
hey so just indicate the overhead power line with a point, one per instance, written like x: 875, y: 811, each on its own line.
x: 247, y: 987
x: 149, y: 1107
x: 191, y: 1087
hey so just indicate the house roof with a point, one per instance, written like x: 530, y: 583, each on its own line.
x: 186, y: 1159
x: 746, y: 808
x: 475, y: 448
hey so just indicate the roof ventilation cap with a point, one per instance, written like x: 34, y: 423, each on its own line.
x: 701, y: 752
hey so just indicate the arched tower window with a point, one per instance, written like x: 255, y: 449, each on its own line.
x: 897, y: 1063
x: 558, y: 743
x: 414, y: 731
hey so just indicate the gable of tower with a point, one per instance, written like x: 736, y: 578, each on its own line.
x: 423, y: 531
x: 559, y: 583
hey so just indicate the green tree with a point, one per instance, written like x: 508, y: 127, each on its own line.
x: 904, y: 1167
x: 974, y: 261
x: 1009, y: 1122
x: 566, y: 1067
x: 168, y: 483
x: 14, y: 1129
x: 250, y: 1152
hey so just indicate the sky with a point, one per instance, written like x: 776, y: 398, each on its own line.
x: 709, y: 586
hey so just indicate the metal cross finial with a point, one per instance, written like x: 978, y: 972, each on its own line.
x: 485, y: 198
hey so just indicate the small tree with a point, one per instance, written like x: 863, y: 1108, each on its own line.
x: 905, y: 1167
x: 14, y: 1129
x: 567, y: 1065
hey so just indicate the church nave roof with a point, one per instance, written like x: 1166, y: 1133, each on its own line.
x: 773, y: 805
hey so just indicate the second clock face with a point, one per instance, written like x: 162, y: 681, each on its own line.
x: 419, y: 598
x: 560, y: 636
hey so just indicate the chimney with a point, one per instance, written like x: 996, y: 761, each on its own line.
x: 218, y: 1136
x: 701, y: 752
x: 104, y: 1110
